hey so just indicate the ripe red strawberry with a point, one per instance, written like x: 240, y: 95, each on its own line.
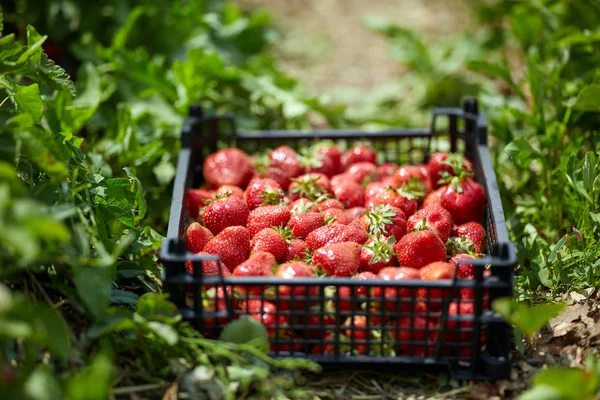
x: 269, y: 240
x: 317, y: 163
x: 212, y: 305
x: 474, y: 234
x: 228, y: 167
x: 386, y: 169
x: 373, y: 189
x: 334, y: 233
x: 377, y: 254
x: 209, y: 267
x: 264, y: 312
x: 232, y: 244
x: 311, y: 186
x: 284, y: 166
x: 417, y: 249
x: 385, y: 220
x: 223, y: 212
x: 435, y: 218
x: 349, y: 193
x: 405, y: 173
x: 391, y: 295
x: 291, y: 270
x: 262, y: 192
x: 267, y: 216
x: 314, y: 321
x: 303, y: 205
x: 458, y: 323
x: 338, y: 259
x: 327, y: 345
x: 296, y: 250
x: 358, y: 153
x: 336, y: 215
x: 358, y: 233
x: 232, y: 190
x: 359, y: 331
x: 407, y: 331
x: 442, y: 165
x: 332, y: 151
x: 194, y: 200
x: 465, y: 271
x: 400, y: 198
x: 345, y: 292
x: 330, y: 203
x: 434, y: 272
x: 303, y: 223
x: 362, y: 171
x: 196, y: 237
x: 259, y: 264
x: 356, y: 212
x: 434, y: 197
x: 465, y: 200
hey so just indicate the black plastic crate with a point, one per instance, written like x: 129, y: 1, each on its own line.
x: 325, y: 319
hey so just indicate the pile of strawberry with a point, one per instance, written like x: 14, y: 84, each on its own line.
x: 325, y: 212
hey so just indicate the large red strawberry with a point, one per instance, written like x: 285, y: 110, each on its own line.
x: 465, y: 200
x: 435, y: 218
x: 385, y: 220
x: 443, y: 165
x: 296, y: 250
x: 330, y: 203
x: 262, y: 192
x: 435, y: 271
x: 223, y: 212
x: 434, y: 197
x: 333, y: 152
x: 362, y: 171
x: 195, y: 200
x: 373, y: 189
x: 336, y: 215
x: 312, y: 186
x: 303, y: 223
x: 345, y: 293
x: 196, y: 237
x: 396, y: 298
x: 259, y: 264
x: 386, y: 169
x: 209, y: 268
x: 349, y: 193
x: 358, y: 233
x: 334, y: 233
x: 400, y: 198
x: 284, y: 166
x: 338, y: 259
x: 356, y: 212
x: 472, y: 235
x: 303, y: 205
x: 267, y: 216
x: 228, y: 167
x: 230, y: 190
x: 269, y: 240
x: 465, y: 271
x: 318, y: 163
x: 358, y: 153
x: 297, y: 293
x: 417, y: 249
x: 411, y: 173
x: 377, y: 254
x: 232, y: 244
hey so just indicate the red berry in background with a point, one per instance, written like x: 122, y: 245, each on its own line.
x: 407, y: 331
x: 457, y: 323
x: 358, y: 233
x: 465, y: 200
x: 417, y: 249
x: 230, y: 190
x: 434, y: 197
x: 209, y: 268
x: 392, y: 295
x: 362, y: 171
x: 337, y: 215
x: 434, y: 272
x: 232, y: 244
x: 296, y: 250
x: 267, y: 217
x: 228, y: 167
x: 334, y: 233
x: 435, y: 218
x: 406, y: 173
x: 303, y: 205
x: 345, y: 292
x: 441, y: 164
x: 359, y: 331
x: 259, y: 264
x: 196, y: 237
x: 262, y: 192
x: 303, y: 223
x: 195, y: 200
x: 311, y: 186
x: 291, y: 270
x: 333, y: 152
x: 358, y: 153
x: 271, y: 241
x: 356, y: 212
x: 338, y: 259
x: 349, y: 193
x: 264, y: 312
x: 373, y: 189
x: 330, y: 203
x: 385, y: 220
x: 377, y: 254
x: 318, y: 163
x: 224, y: 212
x: 397, y: 198
x: 284, y: 166
x: 386, y: 169
x: 474, y: 232
x: 465, y: 271
x: 213, y: 305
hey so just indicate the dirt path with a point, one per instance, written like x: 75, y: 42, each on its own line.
x: 325, y: 45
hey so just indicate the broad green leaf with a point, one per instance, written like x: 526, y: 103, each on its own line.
x: 588, y: 99
x: 15, y: 328
x: 521, y: 150
x: 116, y: 320
x: 29, y: 100
x: 165, y: 332
x: 571, y: 383
x: 94, y: 288
x: 34, y: 46
x: 41, y: 385
x: 152, y: 306
x: 246, y: 330
x: 94, y: 381
x: 541, y: 393
x: 128, y: 269
x: 529, y: 320
x: 54, y: 76
x: 123, y: 297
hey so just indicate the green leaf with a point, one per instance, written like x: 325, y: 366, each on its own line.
x: 246, y: 330
x: 1, y: 22
x: 29, y: 100
x: 556, y: 249
x: 541, y: 393
x: 120, y: 38
x: 588, y: 99
x: 528, y: 320
x: 164, y: 331
x: 498, y: 71
x: 123, y: 297
x: 116, y: 320
x: 41, y: 385
x: 153, y: 306
x: 94, y: 288
x: 563, y: 383
x: 94, y: 381
x: 54, y: 76
x: 34, y: 46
